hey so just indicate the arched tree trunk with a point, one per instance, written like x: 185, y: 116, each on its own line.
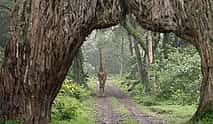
x: 45, y: 36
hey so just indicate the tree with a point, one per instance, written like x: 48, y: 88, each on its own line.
x: 44, y: 39
x: 192, y: 21
x: 142, y: 73
x: 45, y: 36
x: 122, y: 58
x: 149, y: 46
x: 77, y: 68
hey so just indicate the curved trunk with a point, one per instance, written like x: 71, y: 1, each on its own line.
x: 205, y: 48
x: 44, y: 38
x: 192, y: 21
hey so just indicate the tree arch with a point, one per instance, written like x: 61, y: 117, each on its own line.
x: 46, y: 34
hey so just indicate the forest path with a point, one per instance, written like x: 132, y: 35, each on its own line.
x: 107, y: 112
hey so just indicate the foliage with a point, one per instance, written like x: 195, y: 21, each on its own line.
x: 4, y: 20
x: 66, y: 108
x: 207, y: 118
x: 72, y: 104
x: 74, y: 90
x: 179, y: 76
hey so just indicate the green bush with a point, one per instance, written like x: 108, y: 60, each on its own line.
x: 74, y: 90
x: 68, y: 104
x: 179, y: 76
x: 206, y: 119
x: 66, y: 108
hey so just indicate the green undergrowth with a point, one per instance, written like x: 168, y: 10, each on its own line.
x: 123, y: 111
x: 169, y: 110
x: 173, y: 114
x: 73, y: 105
x: 203, y: 118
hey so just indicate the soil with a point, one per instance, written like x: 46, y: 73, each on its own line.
x: 107, y: 114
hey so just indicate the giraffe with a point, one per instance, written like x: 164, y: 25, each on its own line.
x: 101, y: 74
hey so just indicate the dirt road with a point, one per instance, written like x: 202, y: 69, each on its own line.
x: 107, y: 112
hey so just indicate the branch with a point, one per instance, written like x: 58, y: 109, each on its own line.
x: 135, y: 34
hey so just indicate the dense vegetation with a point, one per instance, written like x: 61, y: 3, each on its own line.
x: 74, y: 104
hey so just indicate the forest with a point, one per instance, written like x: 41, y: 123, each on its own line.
x: 106, y: 62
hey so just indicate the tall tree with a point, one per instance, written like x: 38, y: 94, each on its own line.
x: 142, y: 73
x: 165, y: 43
x: 122, y: 58
x: 77, y: 68
x: 149, y: 47
x: 44, y: 39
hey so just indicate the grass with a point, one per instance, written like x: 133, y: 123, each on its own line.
x: 86, y: 115
x: 123, y: 111
x: 174, y: 114
x: 74, y: 108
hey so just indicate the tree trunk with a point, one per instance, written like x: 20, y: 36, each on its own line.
x: 149, y: 47
x: 130, y: 45
x: 145, y: 73
x: 122, y: 58
x: 205, y: 47
x: 165, y: 45
x: 44, y: 38
x: 78, y: 69
x: 139, y: 61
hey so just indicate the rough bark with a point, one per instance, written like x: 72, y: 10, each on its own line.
x: 45, y: 36
x: 190, y: 20
x: 205, y: 48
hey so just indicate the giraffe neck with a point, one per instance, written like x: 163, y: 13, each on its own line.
x: 101, y: 68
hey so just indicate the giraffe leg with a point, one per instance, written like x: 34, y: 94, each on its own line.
x: 104, y: 87
x: 101, y: 88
